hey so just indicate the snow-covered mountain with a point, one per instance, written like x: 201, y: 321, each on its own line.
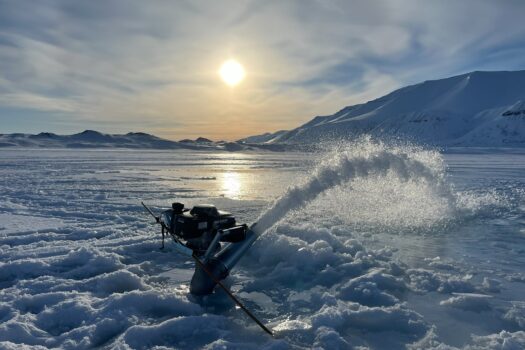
x: 88, y: 139
x: 134, y: 140
x: 474, y: 109
x: 198, y: 140
x: 263, y: 138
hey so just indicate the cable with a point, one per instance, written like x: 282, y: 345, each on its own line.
x: 233, y: 297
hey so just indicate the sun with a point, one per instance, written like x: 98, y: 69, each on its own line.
x: 232, y: 72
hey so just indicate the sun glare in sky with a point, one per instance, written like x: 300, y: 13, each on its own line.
x: 232, y: 72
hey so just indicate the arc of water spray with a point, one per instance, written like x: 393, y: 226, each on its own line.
x: 337, y: 171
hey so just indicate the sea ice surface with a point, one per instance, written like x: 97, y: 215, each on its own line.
x: 364, y: 246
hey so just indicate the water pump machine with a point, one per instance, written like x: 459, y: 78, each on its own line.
x: 210, y: 236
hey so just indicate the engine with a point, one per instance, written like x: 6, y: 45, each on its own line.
x: 198, y: 227
x: 199, y: 233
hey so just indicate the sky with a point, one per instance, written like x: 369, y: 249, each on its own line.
x: 117, y: 66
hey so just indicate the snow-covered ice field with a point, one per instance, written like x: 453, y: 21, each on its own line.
x: 405, y: 248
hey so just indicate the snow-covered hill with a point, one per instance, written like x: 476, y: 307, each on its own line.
x: 88, y: 139
x: 263, y: 138
x: 474, y: 109
x: 133, y: 140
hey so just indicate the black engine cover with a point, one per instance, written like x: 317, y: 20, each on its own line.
x: 193, y: 224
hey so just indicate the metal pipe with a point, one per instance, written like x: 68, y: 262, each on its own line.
x: 212, y: 246
x: 230, y: 255
x: 221, y: 265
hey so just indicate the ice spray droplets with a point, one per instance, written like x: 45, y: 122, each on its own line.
x: 350, y: 161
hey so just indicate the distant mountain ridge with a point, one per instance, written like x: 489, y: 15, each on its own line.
x: 473, y: 109
x: 88, y: 139
x: 263, y: 138
x: 197, y: 140
x: 131, y: 140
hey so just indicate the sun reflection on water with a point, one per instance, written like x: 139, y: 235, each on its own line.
x: 231, y: 184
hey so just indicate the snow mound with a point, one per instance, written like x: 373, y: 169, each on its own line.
x: 469, y: 302
x: 516, y: 314
x: 498, y: 341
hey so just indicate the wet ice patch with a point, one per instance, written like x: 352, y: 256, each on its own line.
x: 13, y: 223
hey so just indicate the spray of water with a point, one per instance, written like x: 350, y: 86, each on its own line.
x: 358, y: 163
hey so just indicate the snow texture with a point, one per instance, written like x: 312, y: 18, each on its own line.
x: 378, y: 246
